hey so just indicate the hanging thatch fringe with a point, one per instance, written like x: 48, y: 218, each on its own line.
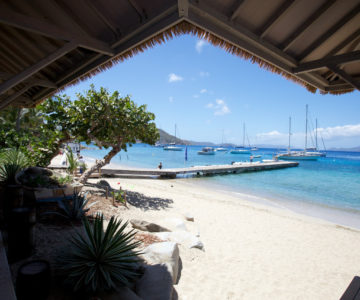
x: 187, y: 28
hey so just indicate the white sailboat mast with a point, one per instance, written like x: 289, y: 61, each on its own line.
x: 289, y: 134
x: 306, y: 126
x: 244, y: 136
x: 316, y: 135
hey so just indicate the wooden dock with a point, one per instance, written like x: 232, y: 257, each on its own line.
x: 199, y: 170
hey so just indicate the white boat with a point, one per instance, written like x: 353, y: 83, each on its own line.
x: 254, y: 149
x: 172, y: 146
x: 299, y: 155
x: 221, y: 149
x: 241, y: 149
x: 207, y: 151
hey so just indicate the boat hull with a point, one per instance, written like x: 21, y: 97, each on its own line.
x: 206, y: 153
x: 300, y: 157
x: 240, y: 152
x: 173, y: 148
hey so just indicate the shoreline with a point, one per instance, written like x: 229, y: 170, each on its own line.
x: 336, y: 215
x: 272, y: 252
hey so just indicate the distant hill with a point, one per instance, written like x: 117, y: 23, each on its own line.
x: 166, y: 138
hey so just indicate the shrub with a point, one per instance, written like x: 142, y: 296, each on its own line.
x: 11, y: 162
x: 76, y: 210
x: 100, y: 261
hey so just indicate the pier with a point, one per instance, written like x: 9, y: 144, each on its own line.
x: 198, y: 170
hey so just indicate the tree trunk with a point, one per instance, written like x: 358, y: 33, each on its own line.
x: 84, y: 177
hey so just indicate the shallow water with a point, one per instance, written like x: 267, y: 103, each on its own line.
x: 332, y: 182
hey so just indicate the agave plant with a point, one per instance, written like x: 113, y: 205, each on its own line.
x: 11, y: 162
x: 74, y: 211
x: 100, y: 260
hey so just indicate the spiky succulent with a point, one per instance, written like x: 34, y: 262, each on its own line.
x: 11, y: 162
x: 100, y: 259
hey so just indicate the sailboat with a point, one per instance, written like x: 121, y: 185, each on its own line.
x: 315, y: 150
x: 172, y: 146
x: 219, y: 149
x: 298, y: 155
x: 241, y: 149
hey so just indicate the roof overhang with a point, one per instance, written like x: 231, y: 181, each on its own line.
x: 49, y: 44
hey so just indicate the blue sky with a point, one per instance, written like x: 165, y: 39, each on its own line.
x: 206, y: 91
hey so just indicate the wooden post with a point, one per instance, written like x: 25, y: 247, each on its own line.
x: 125, y: 202
x: 114, y: 198
x: 107, y: 192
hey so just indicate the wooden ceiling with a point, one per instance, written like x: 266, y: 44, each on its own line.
x: 46, y: 45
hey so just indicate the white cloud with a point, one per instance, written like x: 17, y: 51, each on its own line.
x: 195, y: 96
x: 200, y: 45
x: 340, y: 131
x: 173, y: 77
x: 203, y: 91
x: 220, y: 108
x: 204, y: 74
x: 171, y: 99
x: 209, y: 105
x: 338, y: 136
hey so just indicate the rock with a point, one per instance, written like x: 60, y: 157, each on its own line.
x: 147, y: 226
x: 122, y: 293
x: 184, y: 238
x: 155, y: 284
x: 165, y: 253
x: 103, y: 183
x: 174, y: 224
x: 189, y: 217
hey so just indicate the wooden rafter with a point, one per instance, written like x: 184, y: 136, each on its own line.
x: 346, y: 77
x: 141, y: 12
x: 275, y: 17
x: 33, y: 81
x: 183, y: 8
x: 17, y: 94
x: 236, y: 9
x: 323, y: 63
x: 344, y: 43
x: 330, y: 32
x: 41, y: 27
x: 302, y: 29
x: 28, y: 72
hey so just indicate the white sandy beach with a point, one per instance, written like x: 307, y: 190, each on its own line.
x: 251, y: 251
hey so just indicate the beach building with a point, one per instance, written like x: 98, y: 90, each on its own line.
x: 48, y: 45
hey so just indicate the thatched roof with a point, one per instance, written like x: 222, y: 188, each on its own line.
x: 47, y: 45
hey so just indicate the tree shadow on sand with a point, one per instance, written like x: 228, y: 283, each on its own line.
x: 134, y: 198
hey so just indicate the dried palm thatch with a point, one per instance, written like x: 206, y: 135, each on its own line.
x: 185, y: 27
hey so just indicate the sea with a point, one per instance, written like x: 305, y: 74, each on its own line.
x: 328, y: 188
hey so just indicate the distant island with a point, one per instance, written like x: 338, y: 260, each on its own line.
x: 166, y: 138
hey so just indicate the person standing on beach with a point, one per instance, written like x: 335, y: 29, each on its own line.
x: 160, y: 165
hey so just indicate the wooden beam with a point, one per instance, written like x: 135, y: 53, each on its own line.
x: 133, y: 37
x: 141, y: 12
x: 28, y: 72
x: 183, y: 8
x: 11, y: 98
x: 236, y: 9
x: 211, y: 20
x: 323, y: 63
x: 330, y: 32
x: 344, y: 43
x: 346, y: 77
x: 33, y: 81
x: 41, y: 27
x: 275, y: 17
x: 309, y: 21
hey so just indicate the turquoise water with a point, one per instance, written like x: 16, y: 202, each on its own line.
x: 332, y: 181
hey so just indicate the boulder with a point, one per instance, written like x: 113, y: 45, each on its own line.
x: 155, y: 284
x: 147, y: 226
x: 165, y: 253
x: 184, y: 238
x: 174, y: 224
x: 189, y: 217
